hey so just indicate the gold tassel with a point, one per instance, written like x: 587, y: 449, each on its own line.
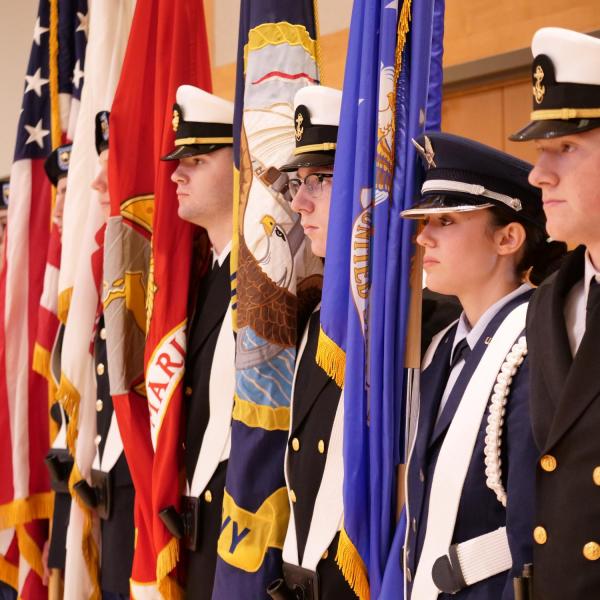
x: 9, y: 573
x: 23, y: 510
x: 331, y: 358
x: 30, y: 550
x: 352, y: 566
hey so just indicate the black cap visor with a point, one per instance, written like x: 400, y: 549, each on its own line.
x: 442, y: 203
x: 193, y: 150
x: 309, y: 159
x: 548, y: 129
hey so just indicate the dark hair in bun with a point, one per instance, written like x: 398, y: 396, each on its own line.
x: 541, y: 256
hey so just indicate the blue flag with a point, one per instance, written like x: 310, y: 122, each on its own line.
x: 272, y: 268
x: 390, y: 93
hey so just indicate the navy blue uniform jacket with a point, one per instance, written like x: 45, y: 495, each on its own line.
x: 479, y: 511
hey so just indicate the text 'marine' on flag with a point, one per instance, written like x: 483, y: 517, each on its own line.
x: 150, y: 248
x: 272, y: 271
x: 364, y: 311
x: 25, y: 497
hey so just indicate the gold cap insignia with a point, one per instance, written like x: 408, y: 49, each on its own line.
x: 299, y: 128
x: 539, y: 90
x: 64, y: 156
x: 175, y: 120
x: 427, y: 153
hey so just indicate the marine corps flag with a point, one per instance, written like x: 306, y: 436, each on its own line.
x: 364, y: 310
x: 167, y: 48
x: 272, y: 268
x: 25, y: 496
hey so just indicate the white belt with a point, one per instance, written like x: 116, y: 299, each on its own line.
x: 472, y: 561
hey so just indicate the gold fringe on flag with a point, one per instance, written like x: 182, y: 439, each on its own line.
x: 23, y: 510
x: 89, y: 548
x: 55, y: 125
x: 319, y: 59
x: 167, y: 560
x: 9, y: 573
x: 403, y: 29
x: 331, y: 358
x: 64, y: 302
x: 41, y: 365
x: 30, y: 551
x: 69, y: 397
x: 352, y: 566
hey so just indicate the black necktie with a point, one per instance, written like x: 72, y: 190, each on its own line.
x: 593, y: 300
x: 461, y: 351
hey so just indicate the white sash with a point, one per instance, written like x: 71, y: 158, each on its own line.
x: 60, y: 441
x: 457, y: 450
x: 328, y: 511
x: 216, y: 443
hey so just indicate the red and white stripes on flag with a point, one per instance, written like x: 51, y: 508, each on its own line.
x: 79, y: 293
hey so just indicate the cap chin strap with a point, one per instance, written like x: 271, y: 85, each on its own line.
x: 447, y: 185
x: 565, y: 114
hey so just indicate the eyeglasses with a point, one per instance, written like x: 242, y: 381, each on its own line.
x: 312, y: 182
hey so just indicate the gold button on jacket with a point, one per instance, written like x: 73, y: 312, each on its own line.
x: 296, y: 444
x: 99, y: 405
x: 103, y: 333
x: 596, y: 475
x: 591, y: 551
x: 321, y: 447
x: 292, y: 496
x: 548, y: 463
x: 207, y: 496
x: 540, y: 535
x: 100, y: 369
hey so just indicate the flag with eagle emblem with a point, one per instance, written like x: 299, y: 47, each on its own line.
x: 273, y: 277
x: 390, y: 94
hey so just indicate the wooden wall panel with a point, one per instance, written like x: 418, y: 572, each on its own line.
x: 477, y: 29
x: 478, y: 115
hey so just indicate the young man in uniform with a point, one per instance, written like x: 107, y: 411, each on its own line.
x: 204, y: 178
x: 112, y: 493
x: 315, y: 439
x: 563, y: 326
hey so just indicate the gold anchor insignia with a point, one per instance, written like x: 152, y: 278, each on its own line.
x: 427, y: 153
x: 539, y: 90
x: 299, y: 128
x: 175, y: 120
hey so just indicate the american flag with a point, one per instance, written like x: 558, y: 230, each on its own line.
x: 52, y: 81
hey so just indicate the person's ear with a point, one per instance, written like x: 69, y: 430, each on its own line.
x: 509, y: 239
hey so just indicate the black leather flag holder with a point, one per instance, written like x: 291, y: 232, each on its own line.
x: 297, y: 584
x: 97, y: 496
x: 184, y: 525
x: 59, y: 464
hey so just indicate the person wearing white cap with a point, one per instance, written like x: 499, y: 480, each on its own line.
x: 314, y: 452
x: 563, y: 322
x: 203, y: 125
